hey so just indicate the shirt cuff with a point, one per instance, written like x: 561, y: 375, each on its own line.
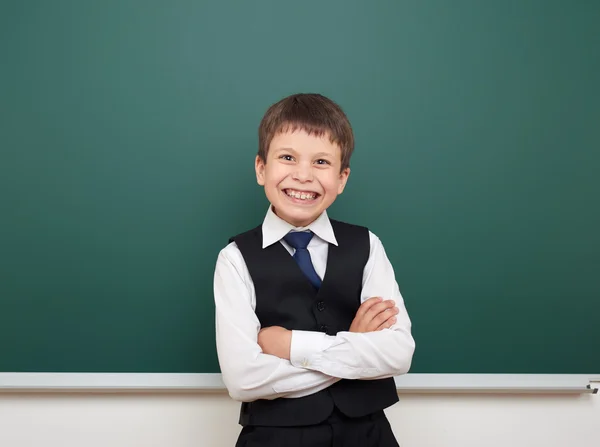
x: 306, y: 348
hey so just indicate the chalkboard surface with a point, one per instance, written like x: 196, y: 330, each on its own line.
x: 128, y: 131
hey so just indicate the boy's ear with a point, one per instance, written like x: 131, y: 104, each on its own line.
x: 259, y: 166
x: 343, y: 179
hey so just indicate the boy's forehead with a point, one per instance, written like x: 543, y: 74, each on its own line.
x: 300, y: 139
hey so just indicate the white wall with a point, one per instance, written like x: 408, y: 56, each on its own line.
x: 210, y: 420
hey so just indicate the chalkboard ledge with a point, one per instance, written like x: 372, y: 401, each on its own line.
x: 410, y: 383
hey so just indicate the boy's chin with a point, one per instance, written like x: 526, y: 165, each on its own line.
x: 299, y: 219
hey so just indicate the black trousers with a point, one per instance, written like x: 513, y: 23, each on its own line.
x: 337, y: 431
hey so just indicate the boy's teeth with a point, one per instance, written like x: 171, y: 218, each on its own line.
x: 301, y: 195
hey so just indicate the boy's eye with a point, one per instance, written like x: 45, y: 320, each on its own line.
x: 286, y: 157
x: 323, y: 162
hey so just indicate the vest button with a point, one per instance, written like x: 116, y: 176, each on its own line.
x: 323, y: 328
x: 321, y: 306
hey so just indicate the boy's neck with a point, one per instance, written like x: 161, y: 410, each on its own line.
x: 272, y: 208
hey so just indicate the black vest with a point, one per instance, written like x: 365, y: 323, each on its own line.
x: 285, y: 297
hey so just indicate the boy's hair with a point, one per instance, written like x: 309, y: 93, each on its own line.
x: 315, y: 114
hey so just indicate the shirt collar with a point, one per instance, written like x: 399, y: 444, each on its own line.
x: 274, y: 228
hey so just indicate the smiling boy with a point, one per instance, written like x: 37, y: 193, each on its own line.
x: 311, y: 327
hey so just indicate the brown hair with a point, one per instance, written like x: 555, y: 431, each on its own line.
x: 311, y: 112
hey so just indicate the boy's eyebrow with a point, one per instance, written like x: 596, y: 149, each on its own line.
x: 285, y: 148
x: 324, y: 154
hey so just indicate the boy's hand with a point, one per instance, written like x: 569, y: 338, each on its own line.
x: 275, y: 341
x: 374, y: 314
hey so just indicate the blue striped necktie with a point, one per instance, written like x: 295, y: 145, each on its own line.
x: 300, y: 240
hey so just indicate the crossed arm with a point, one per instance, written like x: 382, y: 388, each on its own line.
x: 273, y: 362
x: 375, y: 314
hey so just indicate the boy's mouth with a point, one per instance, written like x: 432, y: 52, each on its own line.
x: 301, y: 195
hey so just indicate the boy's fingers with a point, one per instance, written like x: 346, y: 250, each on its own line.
x: 382, y: 317
x: 375, y: 310
x: 364, y: 307
x: 374, y: 313
x: 360, y: 322
x: 387, y: 324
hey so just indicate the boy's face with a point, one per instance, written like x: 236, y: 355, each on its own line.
x: 301, y: 176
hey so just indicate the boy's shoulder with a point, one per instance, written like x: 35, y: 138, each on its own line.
x: 252, y: 233
x: 352, y: 232
x: 347, y: 225
x: 231, y: 251
x: 349, y: 231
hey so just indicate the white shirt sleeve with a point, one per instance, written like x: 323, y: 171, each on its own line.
x: 247, y: 372
x: 372, y: 355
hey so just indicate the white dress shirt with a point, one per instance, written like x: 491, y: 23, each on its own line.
x: 317, y: 360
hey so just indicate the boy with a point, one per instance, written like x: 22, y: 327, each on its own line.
x: 310, y: 324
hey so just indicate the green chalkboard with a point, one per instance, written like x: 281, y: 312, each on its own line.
x: 128, y: 131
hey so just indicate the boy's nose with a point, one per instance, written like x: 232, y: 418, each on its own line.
x: 303, y: 173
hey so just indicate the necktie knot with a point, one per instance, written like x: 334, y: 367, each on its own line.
x: 298, y: 240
